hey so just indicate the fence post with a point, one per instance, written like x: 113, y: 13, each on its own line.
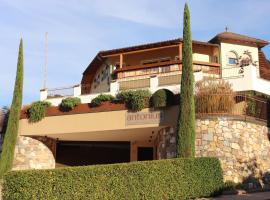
x: 43, y: 94
x: 153, y: 83
x: 77, y: 90
x: 114, y: 87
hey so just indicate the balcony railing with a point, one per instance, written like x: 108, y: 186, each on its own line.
x: 164, y: 67
x: 232, y: 104
x: 233, y: 72
x: 61, y: 92
x: 134, y: 84
x: 169, y: 80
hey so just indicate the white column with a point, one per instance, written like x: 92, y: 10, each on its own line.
x: 114, y: 87
x: 153, y: 83
x: 43, y: 94
x: 77, y: 90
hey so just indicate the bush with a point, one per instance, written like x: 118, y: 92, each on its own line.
x: 214, y: 96
x: 162, y: 179
x: 69, y: 103
x: 251, y: 107
x: 162, y: 98
x: 37, y: 111
x: 251, y: 183
x: 135, y: 100
x: 101, y: 98
x: 266, y: 178
x: 229, y: 186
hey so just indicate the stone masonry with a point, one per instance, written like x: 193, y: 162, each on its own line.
x: 243, y: 148
x: 32, y: 154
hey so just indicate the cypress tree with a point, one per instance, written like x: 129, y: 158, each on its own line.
x: 186, y: 121
x: 10, y: 138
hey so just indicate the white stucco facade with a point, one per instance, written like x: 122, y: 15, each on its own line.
x: 250, y: 78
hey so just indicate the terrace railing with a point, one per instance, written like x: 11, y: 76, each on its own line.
x: 233, y: 72
x: 235, y: 104
x: 60, y: 92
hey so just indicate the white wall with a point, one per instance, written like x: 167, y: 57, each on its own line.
x: 250, y: 79
x: 201, y: 57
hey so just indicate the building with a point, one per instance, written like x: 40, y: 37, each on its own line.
x: 112, y: 134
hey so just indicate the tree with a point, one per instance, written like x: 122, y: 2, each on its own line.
x: 186, y: 121
x: 10, y: 139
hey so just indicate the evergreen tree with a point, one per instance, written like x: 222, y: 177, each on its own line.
x: 186, y: 121
x: 10, y: 138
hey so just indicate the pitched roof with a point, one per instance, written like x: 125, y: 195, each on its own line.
x: 238, y: 39
x: 151, y: 45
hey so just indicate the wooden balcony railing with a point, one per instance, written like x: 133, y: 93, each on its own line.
x: 169, y: 80
x: 134, y: 84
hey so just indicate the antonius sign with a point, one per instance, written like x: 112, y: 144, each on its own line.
x: 144, y: 118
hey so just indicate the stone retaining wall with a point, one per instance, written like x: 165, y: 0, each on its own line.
x: 32, y: 154
x: 242, y: 147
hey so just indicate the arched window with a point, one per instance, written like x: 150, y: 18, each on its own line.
x: 232, y: 58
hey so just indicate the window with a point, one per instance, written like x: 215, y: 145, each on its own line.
x: 232, y: 61
x: 232, y: 58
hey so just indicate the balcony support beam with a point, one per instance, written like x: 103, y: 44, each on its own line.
x: 121, y: 61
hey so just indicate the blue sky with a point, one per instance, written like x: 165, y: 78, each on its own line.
x: 78, y: 29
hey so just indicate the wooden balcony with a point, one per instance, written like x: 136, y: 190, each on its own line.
x: 164, y: 67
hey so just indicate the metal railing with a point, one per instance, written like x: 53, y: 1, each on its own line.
x: 60, y: 92
x: 233, y: 72
x: 232, y: 104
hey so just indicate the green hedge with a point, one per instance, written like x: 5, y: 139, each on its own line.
x: 101, y: 98
x: 69, y: 103
x: 162, y: 98
x: 162, y: 179
x: 37, y: 111
x: 135, y: 100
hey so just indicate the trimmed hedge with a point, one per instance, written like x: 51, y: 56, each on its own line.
x: 135, y: 100
x: 102, y: 98
x: 69, y: 103
x: 162, y: 98
x: 162, y: 179
x: 37, y: 111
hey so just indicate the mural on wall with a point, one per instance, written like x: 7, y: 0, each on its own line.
x: 241, y: 61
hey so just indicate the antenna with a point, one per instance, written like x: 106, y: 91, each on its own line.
x: 46, y: 61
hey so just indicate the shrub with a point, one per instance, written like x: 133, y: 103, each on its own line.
x: 229, y: 186
x: 37, y: 111
x: 213, y: 96
x: 135, y: 100
x: 101, y: 98
x: 161, y: 179
x: 69, y: 103
x: 251, y: 183
x: 162, y: 98
x: 251, y: 107
x: 11, y: 134
x: 266, y: 178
